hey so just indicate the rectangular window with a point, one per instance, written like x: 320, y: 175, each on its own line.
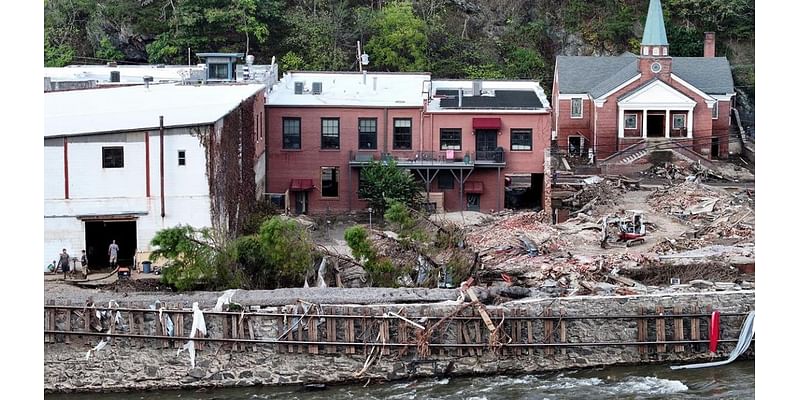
x: 291, y: 133
x: 630, y: 121
x: 113, y: 157
x: 678, y: 121
x: 521, y: 139
x: 715, y: 110
x: 446, y: 180
x: 330, y: 133
x: 577, y: 108
x: 402, y: 134
x: 217, y: 71
x: 330, y: 181
x: 450, y: 139
x: 664, y: 51
x: 367, y: 133
x: 656, y: 51
x: 645, y: 50
x: 181, y: 157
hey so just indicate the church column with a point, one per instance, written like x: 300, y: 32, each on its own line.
x: 689, y: 124
x: 667, y: 123
x: 644, y: 123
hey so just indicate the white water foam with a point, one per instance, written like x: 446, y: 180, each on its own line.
x: 569, y: 383
x: 649, y: 385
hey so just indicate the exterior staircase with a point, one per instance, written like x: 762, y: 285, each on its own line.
x: 630, y: 159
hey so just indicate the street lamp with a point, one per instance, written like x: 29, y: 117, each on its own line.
x: 370, y: 217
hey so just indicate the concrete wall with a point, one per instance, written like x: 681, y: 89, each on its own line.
x: 134, y: 364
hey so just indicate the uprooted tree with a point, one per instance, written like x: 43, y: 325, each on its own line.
x: 384, y: 181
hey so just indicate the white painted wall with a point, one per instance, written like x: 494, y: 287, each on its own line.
x: 98, y: 191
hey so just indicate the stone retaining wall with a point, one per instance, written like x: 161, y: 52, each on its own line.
x: 141, y: 364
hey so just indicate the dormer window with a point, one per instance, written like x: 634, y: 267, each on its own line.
x: 645, y: 51
x: 656, y: 51
x: 664, y: 51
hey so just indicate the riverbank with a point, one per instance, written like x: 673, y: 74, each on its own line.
x: 303, y: 342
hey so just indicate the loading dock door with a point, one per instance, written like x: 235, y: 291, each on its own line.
x: 99, y: 235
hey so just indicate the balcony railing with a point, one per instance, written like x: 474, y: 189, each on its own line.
x: 428, y: 157
x: 490, y: 156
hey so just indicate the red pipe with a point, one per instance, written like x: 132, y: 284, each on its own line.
x: 161, y: 169
x: 66, y: 171
x: 713, y: 332
x: 147, y: 162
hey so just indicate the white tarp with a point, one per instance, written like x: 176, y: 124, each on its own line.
x: 198, y: 325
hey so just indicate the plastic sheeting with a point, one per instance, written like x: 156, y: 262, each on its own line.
x: 117, y: 320
x: 198, y: 325
x: 745, y: 337
x: 224, y: 299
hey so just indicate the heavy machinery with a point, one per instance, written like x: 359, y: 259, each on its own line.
x: 630, y: 229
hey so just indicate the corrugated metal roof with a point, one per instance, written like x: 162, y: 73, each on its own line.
x: 138, y: 108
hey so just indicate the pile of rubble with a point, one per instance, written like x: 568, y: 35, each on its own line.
x: 714, y: 214
x: 687, y: 171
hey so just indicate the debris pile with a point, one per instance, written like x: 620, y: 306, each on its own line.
x: 687, y: 171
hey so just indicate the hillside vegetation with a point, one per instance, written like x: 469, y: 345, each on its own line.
x: 449, y: 38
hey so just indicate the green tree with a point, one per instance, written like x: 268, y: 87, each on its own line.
x: 107, y: 52
x: 399, y: 42
x: 380, y: 269
x: 196, y: 258
x: 524, y: 63
x: 288, y: 251
x: 385, y: 181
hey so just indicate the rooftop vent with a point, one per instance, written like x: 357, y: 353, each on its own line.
x: 114, y: 76
x: 147, y: 79
x: 316, y: 88
x: 298, y: 88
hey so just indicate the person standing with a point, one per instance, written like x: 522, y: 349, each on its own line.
x: 63, y: 262
x: 84, y: 264
x: 113, y: 249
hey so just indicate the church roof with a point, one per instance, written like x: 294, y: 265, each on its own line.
x: 654, y: 32
x: 597, y: 76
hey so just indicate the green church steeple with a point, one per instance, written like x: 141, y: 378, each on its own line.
x: 654, y: 40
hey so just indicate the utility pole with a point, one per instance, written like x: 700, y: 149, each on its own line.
x: 358, y: 54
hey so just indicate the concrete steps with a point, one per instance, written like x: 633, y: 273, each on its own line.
x: 633, y: 157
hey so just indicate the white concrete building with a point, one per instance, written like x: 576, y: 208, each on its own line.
x: 104, y: 151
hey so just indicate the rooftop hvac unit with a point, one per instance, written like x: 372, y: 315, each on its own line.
x: 298, y: 88
x: 316, y: 88
x: 114, y: 76
x: 477, y: 86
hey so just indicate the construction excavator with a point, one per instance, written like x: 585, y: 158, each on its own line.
x: 630, y: 230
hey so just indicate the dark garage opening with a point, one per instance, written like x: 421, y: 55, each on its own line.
x: 524, y: 191
x: 99, y: 235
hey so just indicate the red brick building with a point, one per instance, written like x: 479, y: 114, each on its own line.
x: 473, y: 145
x: 619, y: 108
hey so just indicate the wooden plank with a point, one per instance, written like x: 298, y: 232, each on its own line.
x: 677, y: 324
x: 366, y: 332
x: 88, y: 314
x: 312, y: 335
x: 529, y: 322
x: 641, y: 324
x: 459, y: 338
x: 661, y: 331
x: 68, y: 322
x: 695, y: 328
x: 179, y: 326
x: 548, y: 331
x: 330, y: 334
x: 350, y: 332
x: 47, y: 326
x: 484, y: 315
x: 476, y: 327
x: 402, y: 335
x: 385, y: 331
x: 515, y: 333
x: 562, y: 337
x: 234, y: 331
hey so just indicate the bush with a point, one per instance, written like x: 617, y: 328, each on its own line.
x: 383, y: 182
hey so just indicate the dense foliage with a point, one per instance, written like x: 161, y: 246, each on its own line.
x: 451, y: 39
x: 277, y: 256
x: 383, y: 182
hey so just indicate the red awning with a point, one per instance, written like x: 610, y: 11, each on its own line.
x: 300, y: 185
x: 473, y: 187
x: 486, y: 123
